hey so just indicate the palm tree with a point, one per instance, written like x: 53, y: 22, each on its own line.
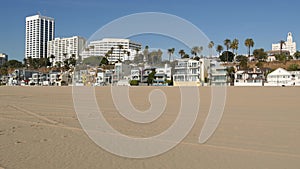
x: 219, y: 49
x: 170, y: 52
x: 281, y: 42
x: 111, y: 51
x: 195, y: 50
x: 146, y: 53
x: 186, y: 56
x: 249, y: 43
x: 227, y: 43
x: 120, y: 47
x: 30, y: 62
x: 65, y: 55
x: 107, y: 54
x: 125, y: 53
x: 181, y: 53
x: 173, y: 50
x: 137, y: 51
x: 211, y: 44
x: 200, y: 50
x: 52, y: 59
x: 128, y: 53
x: 234, y: 45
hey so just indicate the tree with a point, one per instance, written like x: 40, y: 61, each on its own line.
x: 3, y: 71
x: 234, y: 45
x: 151, y: 78
x: 127, y: 53
x: 52, y: 59
x: 29, y: 61
x: 156, y: 56
x: 92, y: 60
x: 108, y: 54
x: 239, y: 58
x: 243, y: 61
x: 249, y: 43
x: 58, y: 64
x: 230, y: 74
x: 196, y: 58
x: 297, y: 55
x: 281, y: 42
x: 104, y: 61
x: 186, y: 56
x: 26, y: 64
x: 111, y: 52
x: 211, y: 44
x: 219, y: 49
x: 146, y: 53
x: 259, y: 64
x: 137, y: 51
x: 13, y: 64
x: 227, y: 56
x: 293, y: 67
x: 181, y: 53
x: 139, y: 58
x: 66, y: 64
x: 200, y: 50
x: 281, y: 57
x: 65, y: 55
x: 171, y: 52
x: 120, y: 47
x: 72, y: 61
x: 195, y: 50
x: 260, y: 54
x: 227, y: 43
x: 159, y: 55
x: 35, y: 63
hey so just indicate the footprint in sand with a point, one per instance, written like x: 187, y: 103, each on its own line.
x: 19, y: 142
x: 44, y: 140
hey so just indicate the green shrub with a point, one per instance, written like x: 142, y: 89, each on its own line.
x: 134, y: 82
x: 169, y: 82
x: 293, y: 67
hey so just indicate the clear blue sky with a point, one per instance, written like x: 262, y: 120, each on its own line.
x: 266, y: 21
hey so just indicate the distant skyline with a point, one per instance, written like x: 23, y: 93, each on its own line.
x: 266, y: 22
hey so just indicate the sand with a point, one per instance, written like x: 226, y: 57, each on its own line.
x: 259, y: 129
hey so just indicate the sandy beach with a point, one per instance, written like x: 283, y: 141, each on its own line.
x: 260, y: 128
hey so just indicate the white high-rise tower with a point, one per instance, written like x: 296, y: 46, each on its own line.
x: 39, y: 30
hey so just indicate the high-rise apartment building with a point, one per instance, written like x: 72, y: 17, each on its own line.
x: 123, y: 49
x: 39, y: 30
x: 3, y: 58
x: 60, y: 49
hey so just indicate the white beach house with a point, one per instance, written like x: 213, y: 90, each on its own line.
x: 282, y: 77
x: 187, y: 73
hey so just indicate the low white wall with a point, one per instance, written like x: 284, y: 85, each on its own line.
x: 279, y: 84
x: 247, y: 84
x: 186, y: 83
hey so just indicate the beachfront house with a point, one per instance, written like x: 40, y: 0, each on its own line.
x: 282, y: 77
x: 135, y: 74
x: 146, y: 72
x: 252, y: 77
x: 187, y: 72
x: 217, y: 74
x: 162, y: 75
x: 121, y: 71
